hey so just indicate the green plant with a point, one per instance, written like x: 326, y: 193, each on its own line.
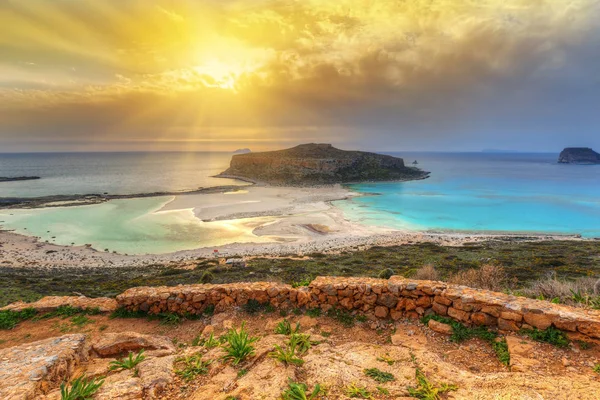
x: 386, y: 273
x: 501, y: 349
x: 211, y: 342
x: 238, y: 345
x: 343, y: 317
x: 596, y: 368
x: 285, y: 328
x: 242, y: 372
x: 297, y: 391
x: 303, y: 282
x: 253, y: 306
x: 80, y: 389
x: 301, y: 341
x: 122, y: 312
x: 313, y: 312
x: 378, y: 375
x: 550, y: 335
x: 425, y: 390
x: 168, y: 318
x: 102, y: 328
x: 80, y: 320
x: 583, y: 345
x: 286, y: 354
x: 127, y: 363
x: 209, y: 310
x: 9, y: 319
x: 207, y: 277
x: 386, y: 359
x: 354, y: 391
x: 361, y: 318
x: 192, y: 366
x: 383, y: 391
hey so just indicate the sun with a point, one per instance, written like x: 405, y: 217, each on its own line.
x: 220, y: 74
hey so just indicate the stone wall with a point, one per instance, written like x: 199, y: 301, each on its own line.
x: 378, y: 298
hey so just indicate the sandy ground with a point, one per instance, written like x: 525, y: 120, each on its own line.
x: 303, y: 221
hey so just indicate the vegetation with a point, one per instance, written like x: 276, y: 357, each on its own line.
x: 386, y: 273
x: 551, y: 335
x: 354, y: 391
x: 285, y: 328
x: 379, y: 376
x: 426, y: 390
x: 342, y: 316
x: 460, y: 333
x: 304, y: 282
x: 238, y: 345
x: 80, y: 389
x: 253, y: 307
x: 286, y: 354
x: 525, y: 261
x: 192, y: 366
x: 130, y: 362
x: 301, y: 341
x: 298, y: 391
x: 596, y: 368
x: 9, y: 319
x: 313, y: 312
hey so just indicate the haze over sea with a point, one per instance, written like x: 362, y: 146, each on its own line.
x: 483, y: 192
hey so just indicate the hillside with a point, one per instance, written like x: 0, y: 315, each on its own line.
x: 579, y: 155
x: 309, y: 164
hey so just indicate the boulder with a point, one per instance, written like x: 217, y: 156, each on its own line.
x: 119, y: 344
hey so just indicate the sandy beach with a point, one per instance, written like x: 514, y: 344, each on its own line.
x: 285, y: 221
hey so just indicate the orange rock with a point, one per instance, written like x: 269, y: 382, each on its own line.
x: 439, y: 327
x: 540, y: 321
x: 381, y: 312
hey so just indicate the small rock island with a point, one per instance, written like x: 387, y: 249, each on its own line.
x: 317, y: 164
x: 579, y: 155
x: 18, y: 178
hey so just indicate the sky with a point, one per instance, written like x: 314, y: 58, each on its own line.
x: 396, y: 75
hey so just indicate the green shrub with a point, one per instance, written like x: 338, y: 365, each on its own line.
x: 313, y: 312
x: 285, y: 328
x: 127, y: 363
x: 297, y: 391
x: 80, y: 320
x: 122, y: 312
x: 501, y: 350
x: 253, y: 306
x: 343, y: 317
x: 386, y: 273
x: 596, y: 368
x: 304, y: 282
x: 238, y: 345
x: 379, y: 376
x: 301, y: 341
x: 80, y: 389
x: 551, y: 335
x: 242, y: 372
x: 207, y: 277
x: 425, y: 390
x: 9, y: 319
x: 209, y: 310
x: 192, y: 367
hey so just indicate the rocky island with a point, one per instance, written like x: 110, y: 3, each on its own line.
x: 310, y: 164
x: 579, y: 155
x: 18, y: 178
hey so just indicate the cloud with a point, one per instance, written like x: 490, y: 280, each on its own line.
x: 417, y: 70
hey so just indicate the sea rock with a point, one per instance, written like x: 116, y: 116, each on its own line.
x: 579, y: 155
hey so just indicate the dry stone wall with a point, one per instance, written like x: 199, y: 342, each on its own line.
x: 378, y: 298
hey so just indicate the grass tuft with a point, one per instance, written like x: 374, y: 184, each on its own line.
x: 192, y: 366
x: 343, y: 317
x: 127, y: 363
x: 80, y: 389
x: 9, y: 319
x: 359, y: 392
x: 551, y: 335
x: 238, y: 345
x: 298, y: 391
x: 285, y: 328
x: 379, y: 376
x: 426, y: 390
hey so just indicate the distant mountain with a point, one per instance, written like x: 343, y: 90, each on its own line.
x: 312, y: 163
x: 578, y: 155
x: 242, y: 151
x: 18, y: 178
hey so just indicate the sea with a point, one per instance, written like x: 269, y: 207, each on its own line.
x: 466, y: 192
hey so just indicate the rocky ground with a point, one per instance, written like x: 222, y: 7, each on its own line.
x: 37, y: 355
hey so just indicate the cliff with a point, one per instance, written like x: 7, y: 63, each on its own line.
x: 320, y: 164
x: 579, y: 155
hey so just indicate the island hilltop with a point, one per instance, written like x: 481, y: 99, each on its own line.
x: 314, y: 164
x: 578, y: 155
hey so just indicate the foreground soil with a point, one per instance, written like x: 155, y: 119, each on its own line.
x: 340, y: 357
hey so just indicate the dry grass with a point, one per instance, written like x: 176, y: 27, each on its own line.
x: 427, y: 273
x: 488, y: 277
x: 565, y: 290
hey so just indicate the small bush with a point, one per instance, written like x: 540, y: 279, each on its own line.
x: 304, y: 282
x: 80, y: 389
x: 488, y: 277
x: 427, y: 273
x: 238, y: 345
x: 379, y: 376
x: 207, y: 277
x: 9, y: 319
x: 285, y: 328
x: 551, y: 335
x: 122, y: 312
x: 253, y: 306
x: 192, y: 367
x: 297, y: 391
x: 209, y: 310
x: 425, y: 390
x: 80, y: 320
x: 127, y: 363
x: 577, y: 292
x: 596, y: 368
x: 169, y: 318
x: 301, y: 341
x: 386, y: 273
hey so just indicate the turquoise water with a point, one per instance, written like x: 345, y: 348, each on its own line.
x: 486, y: 193
x: 131, y: 226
